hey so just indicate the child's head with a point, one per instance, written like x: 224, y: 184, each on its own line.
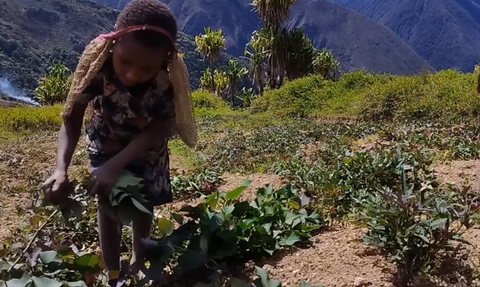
x: 138, y: 55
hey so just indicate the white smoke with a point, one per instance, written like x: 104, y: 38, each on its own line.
x: 8, y: 89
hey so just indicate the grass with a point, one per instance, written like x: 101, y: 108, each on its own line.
x: 448, y: 95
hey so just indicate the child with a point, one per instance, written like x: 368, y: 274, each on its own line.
x: 133, y: 90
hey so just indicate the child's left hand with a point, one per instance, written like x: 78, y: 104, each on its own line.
x: 103, y: 179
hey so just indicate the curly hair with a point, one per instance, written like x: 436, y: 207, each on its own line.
x: 153, y: 13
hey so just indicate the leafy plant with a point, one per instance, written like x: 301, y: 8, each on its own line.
x: 415, y: 224
x: 54, y: 87
x: 222, y: 229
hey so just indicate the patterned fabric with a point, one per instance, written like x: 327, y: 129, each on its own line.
x: 119, y: 115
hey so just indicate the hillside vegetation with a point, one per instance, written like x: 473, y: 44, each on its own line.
x: 34, y: 35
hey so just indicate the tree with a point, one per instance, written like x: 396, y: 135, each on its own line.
x: 210, y: 45
x: 256, y: 52
x: 274, y: 13
x: 326, y: 65
x: 299, y: 54
x: 220, y: 82
x: 54, y: 87
x: 234, y: 73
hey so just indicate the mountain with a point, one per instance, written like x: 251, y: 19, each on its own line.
x: 444, y: 32
x: 358, y: 42
x: 36, y: 33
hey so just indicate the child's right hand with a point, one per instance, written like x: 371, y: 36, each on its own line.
x: 56, y: 188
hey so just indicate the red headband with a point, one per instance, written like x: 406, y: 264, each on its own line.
x: 117, y: 34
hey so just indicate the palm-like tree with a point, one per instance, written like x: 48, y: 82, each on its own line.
x: 299, y: 54
x: 256, y: 51
x: 274, y: 13
x: 326, y: 65
x: 234, y: 73
x: 210, y: 45
x: 54, y: 87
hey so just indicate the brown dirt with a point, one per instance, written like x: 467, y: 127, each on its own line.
x: 459, y: 172
x: 338, y: 258
x: 233, y: 181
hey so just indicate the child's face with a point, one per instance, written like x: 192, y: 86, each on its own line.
x: 134, y: 63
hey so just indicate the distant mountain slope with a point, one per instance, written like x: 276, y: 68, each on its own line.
x: 444, y: 32
x: 358, y: 42
x: 36, y: 33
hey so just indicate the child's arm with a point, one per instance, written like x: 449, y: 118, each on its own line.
x: 72, y: 126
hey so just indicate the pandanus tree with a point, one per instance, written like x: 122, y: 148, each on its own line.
x: 274, y: 13
x: 299, y: 54
x: 234, y: 73
x: 210, y: 45
x: 257, y: 52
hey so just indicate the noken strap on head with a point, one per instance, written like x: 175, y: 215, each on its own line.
x: 117, y: 34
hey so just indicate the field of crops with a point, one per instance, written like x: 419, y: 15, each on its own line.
x: 329, y: 202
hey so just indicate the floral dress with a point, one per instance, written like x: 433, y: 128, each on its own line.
x: 119, y: 115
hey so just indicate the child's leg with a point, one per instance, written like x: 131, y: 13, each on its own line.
x: 141, y: 229
x: 110, y: 234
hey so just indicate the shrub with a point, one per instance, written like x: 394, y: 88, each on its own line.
x: 448, y: 95
x: 206, y: 100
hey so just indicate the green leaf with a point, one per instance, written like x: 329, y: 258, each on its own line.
x: 439, y: 223
x: 265, y: 279
x: 48, y: 256
x: 127, y: 178
x: 46, y: 282
x: 293, y: 204
x: 212, y: 200
x: 165, y: 227
x: 292, y: 239
x: 22, y: 282
x: 235, y: 194
x: 227, y: 210
x: 140, y: 206
x: 88, y: 260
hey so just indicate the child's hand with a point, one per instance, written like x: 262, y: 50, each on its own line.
x: 103, y: 179
x: 57, y: 188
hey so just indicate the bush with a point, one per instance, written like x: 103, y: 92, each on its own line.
x: 30, y: 119
x: 206, y: 100
x: 448, y: 95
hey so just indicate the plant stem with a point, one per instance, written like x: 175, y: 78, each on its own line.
x: 35, y: 235
x: 30, y: 242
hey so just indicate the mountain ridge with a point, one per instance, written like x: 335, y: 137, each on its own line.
x: 238, y: 20
x: 446, y: 33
